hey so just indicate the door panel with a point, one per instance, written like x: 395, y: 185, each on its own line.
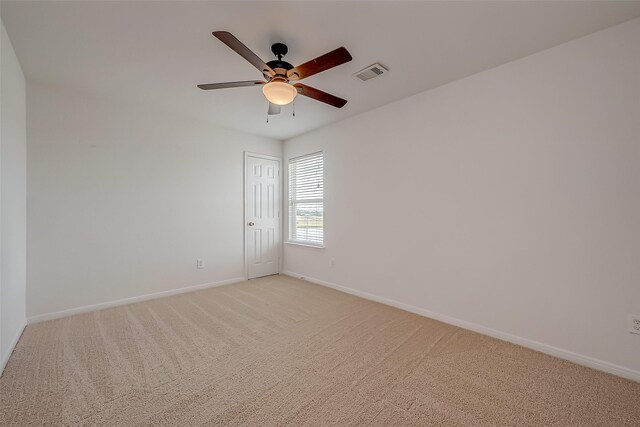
x: 262, y: 207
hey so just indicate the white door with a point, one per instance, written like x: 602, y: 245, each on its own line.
x: 262, y: 215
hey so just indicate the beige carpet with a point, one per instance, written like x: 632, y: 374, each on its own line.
x: 278, y: 351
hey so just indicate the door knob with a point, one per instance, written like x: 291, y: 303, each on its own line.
x: 251, y: 224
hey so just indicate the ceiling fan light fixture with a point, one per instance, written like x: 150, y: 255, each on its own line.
x: 279, y: 93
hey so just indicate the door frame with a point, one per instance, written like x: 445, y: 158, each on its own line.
x: 248, y: 154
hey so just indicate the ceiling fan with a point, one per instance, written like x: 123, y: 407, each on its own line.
x: 278, y: 88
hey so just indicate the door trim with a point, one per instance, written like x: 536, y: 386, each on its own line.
x: 248, y: 154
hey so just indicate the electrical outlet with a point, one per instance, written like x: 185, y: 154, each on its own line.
x: 199, y: 263
x: 634, y: 324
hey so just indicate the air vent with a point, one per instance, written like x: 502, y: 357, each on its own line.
x: 370, y: 72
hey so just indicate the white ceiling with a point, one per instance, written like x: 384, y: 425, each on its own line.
x: 154, y: 53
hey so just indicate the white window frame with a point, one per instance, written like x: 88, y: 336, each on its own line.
x: 291, y: 238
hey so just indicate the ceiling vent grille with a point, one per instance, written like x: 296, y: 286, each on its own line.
x: 370, y: 72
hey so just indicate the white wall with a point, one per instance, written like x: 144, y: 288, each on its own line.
x: 509, y: 199
x: 13, y: 211
x: 122, y: 200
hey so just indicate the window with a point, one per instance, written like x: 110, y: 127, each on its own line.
x: 306, y: 199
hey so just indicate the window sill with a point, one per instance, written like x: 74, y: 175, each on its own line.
x: 307, y: 245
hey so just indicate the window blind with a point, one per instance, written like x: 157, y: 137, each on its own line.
x: 306, y: 199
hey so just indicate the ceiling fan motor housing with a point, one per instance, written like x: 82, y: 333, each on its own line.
x: 283, y: 65
x: 278, y: 65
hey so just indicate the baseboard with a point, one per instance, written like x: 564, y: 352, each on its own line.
x: 580, y: 359
x: 125, y: 301
x: 7, y: 355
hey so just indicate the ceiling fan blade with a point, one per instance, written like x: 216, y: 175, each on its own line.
x: 231, y: 84
x: 235, y: 44
x: 274, y: 109
x: 321, y: 63
x: 319, y: 95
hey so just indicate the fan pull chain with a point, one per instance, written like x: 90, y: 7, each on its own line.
x: 267, y: 111
x: 294, y: 107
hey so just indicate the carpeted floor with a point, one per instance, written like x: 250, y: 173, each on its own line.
x: 279, y: 351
